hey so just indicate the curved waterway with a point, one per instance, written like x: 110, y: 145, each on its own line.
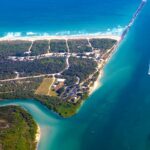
x: 117, y: 115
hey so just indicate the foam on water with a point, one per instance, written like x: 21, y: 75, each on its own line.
x: 114, y: 31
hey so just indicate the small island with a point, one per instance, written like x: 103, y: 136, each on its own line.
x: 17, y: 129
x: 60, y: 72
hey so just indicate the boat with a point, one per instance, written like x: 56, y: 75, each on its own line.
x: 149, y: 69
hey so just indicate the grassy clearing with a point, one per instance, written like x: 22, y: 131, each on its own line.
x: 45, y: 87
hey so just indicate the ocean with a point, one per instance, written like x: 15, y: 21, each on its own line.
x: 117, y: 115
x: 57, y: 17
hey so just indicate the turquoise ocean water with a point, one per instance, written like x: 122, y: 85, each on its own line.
x: 117, y: 115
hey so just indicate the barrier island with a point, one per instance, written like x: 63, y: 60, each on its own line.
x: 58, y: 71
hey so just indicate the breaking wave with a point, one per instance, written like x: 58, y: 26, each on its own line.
x: 115, y: 31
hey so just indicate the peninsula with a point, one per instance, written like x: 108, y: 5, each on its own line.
x: 17, y: 129
x: 58, y: 71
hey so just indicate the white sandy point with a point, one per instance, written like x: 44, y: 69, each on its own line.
x: 37, y: 136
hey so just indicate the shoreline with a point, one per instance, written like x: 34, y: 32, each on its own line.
x: 37, y: 136
x: 33, y: 38
x: 97, y: 83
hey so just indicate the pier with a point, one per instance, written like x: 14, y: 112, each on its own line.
x: 138, y: 11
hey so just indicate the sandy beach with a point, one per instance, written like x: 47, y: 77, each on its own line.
x: 97, y: 83
x: 37, y: 136
x: 33, y: 38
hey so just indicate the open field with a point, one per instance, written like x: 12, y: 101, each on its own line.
x: 45, y: 87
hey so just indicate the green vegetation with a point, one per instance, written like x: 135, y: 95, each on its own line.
x: 19, y: 89
x: 79, y: 46
x: 32, y: 88
x: 58, y: 46
x: 72, y: 84
x: 102, y: 44
x: 39, y: 47
x: 13, y: 48
x: 81, y: 67
x: 28, y: 68
x: 6, y: 74
x: 17, y: 129
x: 63, y: 108
x: 66, y: 109
x: 70, y: 80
